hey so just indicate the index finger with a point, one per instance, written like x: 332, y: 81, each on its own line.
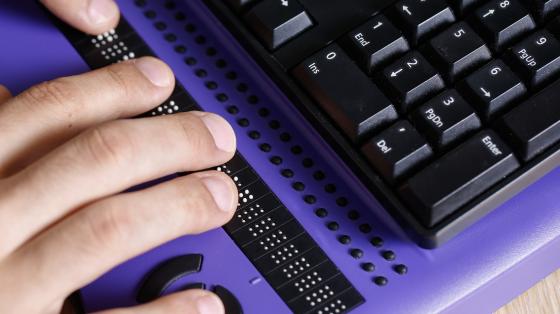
x: 90, y: 16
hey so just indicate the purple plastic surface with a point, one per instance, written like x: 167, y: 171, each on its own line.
x: 478, y: 271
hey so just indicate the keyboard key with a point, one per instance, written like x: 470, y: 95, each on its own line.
x: 492, y: 88
x: 554, y: 26
x: 457, y: 50
x: 421, y: 18
x: 277, y: 21
x: 500, y: 22
x: 397, y: 151
x: 446, y: 118
x: 411, y: 79
x: 534, y: 125
x: 345, y: 92
x: 543, y: 10
x: 536, y: 58
x: 464, y: 7
x: 459, y: 176
x: 375, y: 43
x: 239, y: 4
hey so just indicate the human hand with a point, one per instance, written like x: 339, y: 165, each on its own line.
x: 67, y: 152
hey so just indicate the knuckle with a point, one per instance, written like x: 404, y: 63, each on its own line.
x: 108, y: 144
x: 61, y: 96
x: 118, y: 78
x: 106, y: 227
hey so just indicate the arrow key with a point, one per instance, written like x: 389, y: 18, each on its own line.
x: 410, y: 80
x: 492, y: 89
x: 277, y: 21
x: 421, y: 18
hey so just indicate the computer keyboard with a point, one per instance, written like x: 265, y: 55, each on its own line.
x: 444, y: 109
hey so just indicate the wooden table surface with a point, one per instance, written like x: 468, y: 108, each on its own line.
x: 543, y: 298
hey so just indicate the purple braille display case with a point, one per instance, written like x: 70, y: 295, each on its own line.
x: 481, y: 269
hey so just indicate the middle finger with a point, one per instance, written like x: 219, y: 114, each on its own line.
x: 108, y: 160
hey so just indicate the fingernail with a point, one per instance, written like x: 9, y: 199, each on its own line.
x: 220, y: 191
x: 100, y: 11
x: 221, y: 131
x: 154, y: 71
x: 209, y: 304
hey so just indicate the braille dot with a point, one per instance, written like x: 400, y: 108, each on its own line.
x: 265, y: 147
x: 190, y: 28
x: 242, y: 87
x: 356, y: 253
x: 388, y: 255
x: 200, y: 39
x: 180, y: 49
x: 201, y: 73
x: 160, y: 26
x: 232, y: 110
x: 274, y: 124
x: 252, y: 99
x: 254, y: 135
x: 190, y: 61
x: 170, y: 5
x: 140, y: 3
x: 380, y: 280
x: 342, y: 201
x: 296, y: 150
x: 150, y: 14
x: 285, y: 137
x: 287, y: 173
x: 180, y: 16
x: 170, y: 37
x: 330, y: 188
x: 401, y: 269
x: 221, y: 97
x: 263, y: 112
x: 231, y: 75
x: 243, y: 122
x: 344, y: 239
x: 365, y: 228
x: 307, y: 162
x: 333, y: 225
x: 369, y: 267
x: 211, y: 85
x: 310, y: 199
x: 298, y: 186
x: 211, y: 51
x: 276, y: 160
x: 321, y: 212
x: 376, y: 241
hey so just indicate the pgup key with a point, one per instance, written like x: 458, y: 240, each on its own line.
x: 536, y: 58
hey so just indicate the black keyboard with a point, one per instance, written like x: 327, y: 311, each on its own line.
x: 444, y: 109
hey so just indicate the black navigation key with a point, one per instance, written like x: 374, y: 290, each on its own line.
x: 421, y: 18
x: 464, y: 7
x: 345, y: 92
x: 277, y: 21
x: 457, y: 50
x: 397, y: 151
x: 534, y: 125
x: 375, y: 43
x: 543, y: 10
x: 446, y: 119
x: 411, y: 79
x: 536, y: 58
x: 501, y: 22
x: 492, y: 88
x: 458, y: 177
